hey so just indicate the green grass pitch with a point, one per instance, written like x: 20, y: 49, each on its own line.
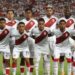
x: 40, y: 68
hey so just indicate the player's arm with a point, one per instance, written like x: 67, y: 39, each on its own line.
x: 72, y: 34
x: 32, y: 34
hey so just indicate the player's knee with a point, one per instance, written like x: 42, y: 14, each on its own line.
x: 61, y: 59
x: 14, y: 60
x: 7, y: 62
x: 52, y: 58
x: 31, y: 61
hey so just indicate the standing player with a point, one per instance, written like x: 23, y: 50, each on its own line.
x: 40, y: 34
x: 4, y: 44
x: 21, y: 42
x: 30, y: 24
x: 11, y: 23
x: 69, y: 25
x: 50, y: 22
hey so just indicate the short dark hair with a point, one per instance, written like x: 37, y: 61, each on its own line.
x: 2, y: 19
x: 28, y: 9
x: 21, y: 23
x: 41, y: 19
x: 62, y: 21
x: 10, y: 10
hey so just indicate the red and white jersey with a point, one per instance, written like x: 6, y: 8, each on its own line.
x: 41, y: 39
x: 50, y: 22
x: 30, y: 24
x: 20, y: 40
x: 63, y: 38
x: 4, y: 39
x: 70, y: 22
x: 11, y: 24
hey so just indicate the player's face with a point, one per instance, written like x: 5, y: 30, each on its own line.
x: 49, y: 11
x: 21, y: 28
x: 67, y: 13
x: 62, y: 25
x: 28, y: 14
x: 2, y: 24
x: 41, y: 25
x: 10, y: 15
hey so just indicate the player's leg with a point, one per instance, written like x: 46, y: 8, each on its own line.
x: 7, y: 63
x: 73, y: 64
x: 56, y: 56
x: 46, y: 64
x: 26, y: 55
x: 22, y: 64
x: 16, y: 54
x: 31, y: 48
x: 61, y: 61
x: 37, y: 60
x: 32, y: 65
x: 3, y: 66
x: 68, y: 55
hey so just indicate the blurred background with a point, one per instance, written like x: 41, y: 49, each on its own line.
x: 37, y: 5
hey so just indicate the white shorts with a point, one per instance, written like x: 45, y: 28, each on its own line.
x: 6, y: 51
x: 31, y: 47
x: 38, y: 56
x: 25, y: 53
x: 52, y: 41
x: 62, y: 51
x: 6, y: 55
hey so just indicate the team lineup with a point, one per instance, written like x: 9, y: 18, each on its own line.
x: 30, y: 39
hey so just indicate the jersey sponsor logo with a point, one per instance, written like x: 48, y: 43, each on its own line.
x: 50, y: 22
x: 4, y: 34
x: 21, y: 39
x: 41, y: 36
x: 69, y: 23
x: 12, y: 23
x: 29, y: 25
x: 62, y: 38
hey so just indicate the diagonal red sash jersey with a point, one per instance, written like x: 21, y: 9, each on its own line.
x: 62, y: 38
x: 11, y: 23
x: 50, y: 22
x: 29, y: 25
x: 69, y: 23
x: 4, y: 34
x: 41, y: 36
x: 21, y: 39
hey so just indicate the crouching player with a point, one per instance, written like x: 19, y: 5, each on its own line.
x: 4, y: 44
x: 63, y: 45
x: 21, y: 40
x: 40, y: 34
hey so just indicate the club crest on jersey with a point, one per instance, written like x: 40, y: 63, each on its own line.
x: 66, y: 34
x: 53, y: 20
x: 24, y: 36
x: 6, y: 31
x: 45, y: 33
x: 31, y: 22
